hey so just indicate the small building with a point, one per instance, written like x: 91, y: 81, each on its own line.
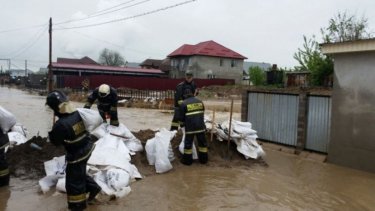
x: 297, y: 79
x: 151, y: 63
x: 207, y: 60
x: 352, y: 140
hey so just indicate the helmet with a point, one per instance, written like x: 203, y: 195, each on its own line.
x: 188, y: 93
x: 104, y: 90
x: 189, y: 73
x: 54, y: 99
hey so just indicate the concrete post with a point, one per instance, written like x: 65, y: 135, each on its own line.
x: 302, y: 122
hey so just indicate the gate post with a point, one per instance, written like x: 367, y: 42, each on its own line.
x: 302, y: 122
x: 245, y: 106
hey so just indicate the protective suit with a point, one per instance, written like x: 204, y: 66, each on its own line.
x: 70, y: 132
x: 107, y: 102
x: 188, y: 84
x: 192, y: 117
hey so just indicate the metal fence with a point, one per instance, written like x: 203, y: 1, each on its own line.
x: 275, y: 117
x: 318, y: 123
x: 142, y: 94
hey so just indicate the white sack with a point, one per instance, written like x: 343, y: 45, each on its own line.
x: 157, y: 150
x: 60, y: 186
x: 118, y: 179
x: 129, y: 139
x: 48, y: 181
x: 7, y: 120
x: 16, y: 138
x: 91, y: 118
x: 101, y: 178
x: 111, y: 151
x: 56, y: 166
x: 100, y: 131
x: 20, y: 129
x: 182, y: 145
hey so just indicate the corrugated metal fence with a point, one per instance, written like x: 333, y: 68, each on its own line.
x: 275, y: 117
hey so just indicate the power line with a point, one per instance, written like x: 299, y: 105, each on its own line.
x: 22, y: 28
x: 21, y: 51
x: 127, y: 18
x: 103, y: 12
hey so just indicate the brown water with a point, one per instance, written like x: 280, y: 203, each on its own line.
x: 289, y: 183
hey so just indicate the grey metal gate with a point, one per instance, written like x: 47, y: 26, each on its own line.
x: 318, y: 123
x: 274, y: 116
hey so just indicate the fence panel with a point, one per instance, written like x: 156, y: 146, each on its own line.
x: 274, y: 116
x: 318, y: 123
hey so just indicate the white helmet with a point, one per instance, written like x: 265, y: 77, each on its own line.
x: 104, y: 90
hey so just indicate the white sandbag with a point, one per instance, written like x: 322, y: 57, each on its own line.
x: 101, y: 179
x: 129, y: 139
x: 60, y: 186
x: 111, y: 151
x: 56, y: 166
x: 91, y: 118
x: 16, y: 138
x: 117, y: 179
x: 250, y: 148
x: 100, y: 131
x: 7, y: 120
x: 242, y: 127
x: 20, y: 129
x: 157, y: 150
x: 48, y: 181
x: 182, y: 145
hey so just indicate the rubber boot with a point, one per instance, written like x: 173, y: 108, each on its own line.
x: 4, y: 180
x: 187, y: 159
x: 203, y: 157
x: 92, y: 195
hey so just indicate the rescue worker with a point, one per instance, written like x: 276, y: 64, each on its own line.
x: 70, y: 131
x: 192, y: 118
x: 179, y: 96
x: 4, y: 170
x: 107, y: 102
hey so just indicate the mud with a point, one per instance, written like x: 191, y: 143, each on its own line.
x: 27, y: 162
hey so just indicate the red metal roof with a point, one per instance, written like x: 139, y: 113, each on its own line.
x: 208, y: 48
x: 104, y: 68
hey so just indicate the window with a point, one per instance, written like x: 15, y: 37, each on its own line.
x: 233, y: 63
x: 221, y: 62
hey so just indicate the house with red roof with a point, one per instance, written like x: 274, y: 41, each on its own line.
x: 207, y: 60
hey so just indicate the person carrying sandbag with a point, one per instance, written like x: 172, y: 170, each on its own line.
x: 70, y: 131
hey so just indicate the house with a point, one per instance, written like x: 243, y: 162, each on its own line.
x: 151, y: 63
x: 86, y: 67
x: 207, y: 60
x: 297, y: 79
x: 353, y: 101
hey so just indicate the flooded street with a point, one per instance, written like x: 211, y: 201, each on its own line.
x: 289, y: 183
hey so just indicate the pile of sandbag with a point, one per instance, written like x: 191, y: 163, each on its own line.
x: 109, y: 164
x: 17, y: 133
x: 241, y: 133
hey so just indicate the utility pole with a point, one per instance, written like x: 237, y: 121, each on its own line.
x: 25, y: 68
x: 50, y: 79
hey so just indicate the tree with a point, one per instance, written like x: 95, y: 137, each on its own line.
x: 257, y: 76
x: 344, y: 27
x: 111, y: 58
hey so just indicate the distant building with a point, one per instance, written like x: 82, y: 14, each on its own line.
x: 207, y: 60
x: 151, y: 64
x: 19, y: 72
x: 246, y: 65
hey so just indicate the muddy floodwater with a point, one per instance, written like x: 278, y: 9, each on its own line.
x: 288, y: 183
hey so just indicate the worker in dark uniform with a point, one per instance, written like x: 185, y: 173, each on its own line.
x: 70, y: 131
x: 107, y: 102
x: 179, y: 96
x: 192, y: 118
x: 4, y: 170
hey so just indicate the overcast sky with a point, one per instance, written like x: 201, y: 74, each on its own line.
x: 268, y: 31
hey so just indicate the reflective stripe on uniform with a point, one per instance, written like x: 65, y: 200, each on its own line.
x: 76, y: 140
x: 5, y: 145
x: 193, y: 113
x: 76, y: 198
x: 196, y: 131
x: 4, y: 172
x: 114, y: 122
x: 82, y: 158
x: 203, y: 149
x: 175, y: 124
x: 179, y: 102
x: 188, y: 151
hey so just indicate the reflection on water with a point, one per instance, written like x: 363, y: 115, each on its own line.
x: 289, y: 183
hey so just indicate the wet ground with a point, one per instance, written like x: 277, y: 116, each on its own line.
x: 288, y: 183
